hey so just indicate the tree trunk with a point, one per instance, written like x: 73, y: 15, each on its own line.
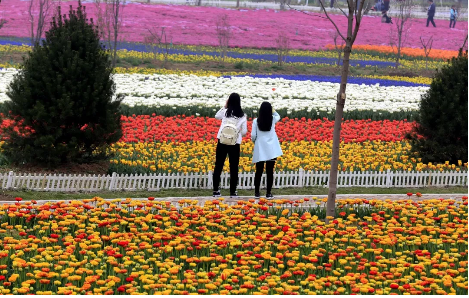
x: 237, y: 3
x: 339, y: 111
x: 398, y: 58
x: 31, y: 19
x: 116, y: 32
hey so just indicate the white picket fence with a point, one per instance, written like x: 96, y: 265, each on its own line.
x: 156, y: 182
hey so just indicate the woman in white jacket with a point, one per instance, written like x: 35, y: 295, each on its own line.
x: 266, y: 146
x: 232, y: 110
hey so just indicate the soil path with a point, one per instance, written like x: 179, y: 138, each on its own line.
x: 202, y: 200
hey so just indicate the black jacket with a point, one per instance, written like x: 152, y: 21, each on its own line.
x: 431, y: 10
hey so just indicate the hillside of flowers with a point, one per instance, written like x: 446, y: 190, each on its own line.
x: 251, y: 28
x: 252, y: 247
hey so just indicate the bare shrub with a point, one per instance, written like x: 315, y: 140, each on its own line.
x: 110, y: 16
x: 40, y: 12
x: 338, y: 45
x: 403, y: 22
x: 223, y: 35
x: 159, y: 41
x: 282, y: 43
x: 427, y: 47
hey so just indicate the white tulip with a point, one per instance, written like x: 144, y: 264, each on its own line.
x: 211, y: 92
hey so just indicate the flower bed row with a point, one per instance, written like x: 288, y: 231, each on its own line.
x: 173, y: 90
x: 199, y: 157
x: 360, y: 52
x: 146, y: 128
x: 255, y: 247
x: 293, y: 95
x: 412, y: 52
x: 187, y: 144
x: 178, y: 55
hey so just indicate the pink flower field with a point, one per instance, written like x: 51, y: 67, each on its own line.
x: 251, y: 28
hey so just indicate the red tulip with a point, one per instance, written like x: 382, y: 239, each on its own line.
x: 180, y: 129
x: 123, y: 243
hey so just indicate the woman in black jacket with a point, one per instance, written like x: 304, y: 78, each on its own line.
x: 431, y: 13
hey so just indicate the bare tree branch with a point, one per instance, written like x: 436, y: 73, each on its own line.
x: 403, y: 21
x: 464, y: 44
x: 427, y: 47
x: 39, y: 13
x: 358, y: 19
x: 110, y: 15
x: 329, y: 18
x: 223, y: 34
x: 2, y: 22
x: 339, y: 48
x: 159, y: 41
x: 283, y: 47
x: 345, y: 14
x: 308, y: 14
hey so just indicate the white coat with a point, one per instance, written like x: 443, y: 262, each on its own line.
x: 266, y: 144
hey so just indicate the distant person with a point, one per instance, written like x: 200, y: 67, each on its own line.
x: 233, y: 127
x: 385, y: 18
x: 266, y: 147
x: 431, y: 13
x: 385, y: 5
x: 332, y: 3
x: 377, y: 6
x: 453, y: 15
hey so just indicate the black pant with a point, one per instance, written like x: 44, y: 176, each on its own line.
x: 269, y: 169
x: 220, y: 156
x: 430, y: 19
x: 452, y: 22
x: 332, y: 3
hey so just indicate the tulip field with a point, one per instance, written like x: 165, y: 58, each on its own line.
x: 168, y: 124
x: 252, y: 247
x: 234, y: 247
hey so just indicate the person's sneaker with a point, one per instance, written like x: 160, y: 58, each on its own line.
x: 234, y: 194
x: 216, y: 194
x: 257, y: 195
x: 269, y: 196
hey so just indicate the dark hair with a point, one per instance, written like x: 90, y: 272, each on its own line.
x: 234, y: 106
x: 264, y: 121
